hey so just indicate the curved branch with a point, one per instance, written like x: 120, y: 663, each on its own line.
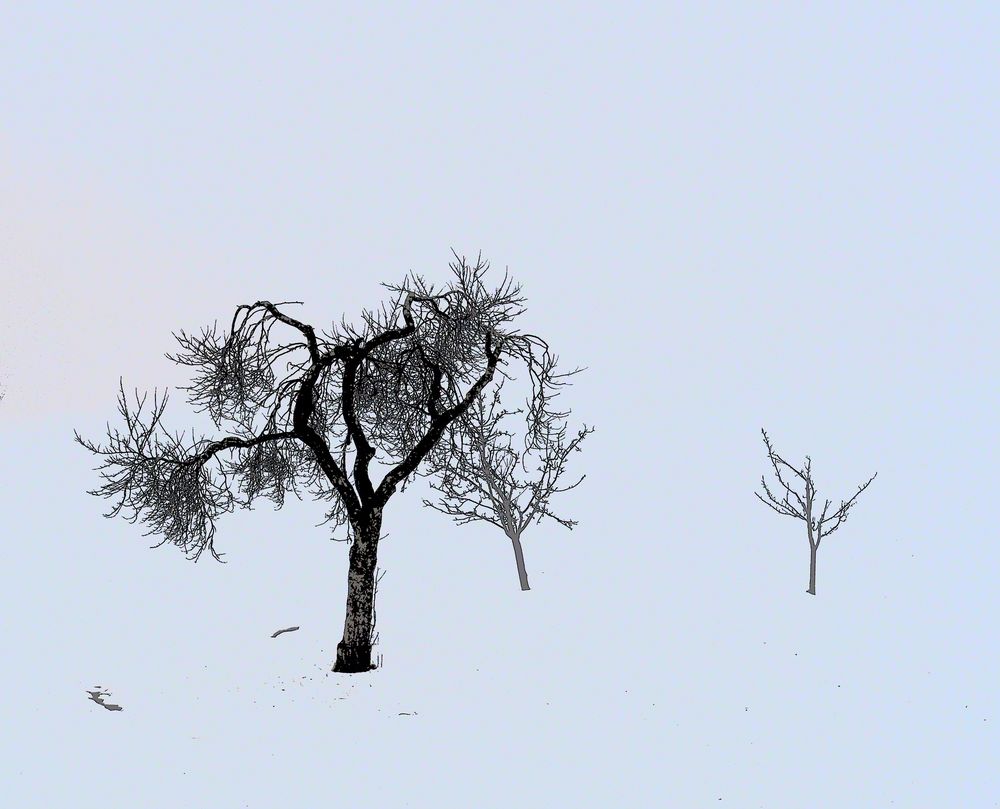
x: 410, y: 463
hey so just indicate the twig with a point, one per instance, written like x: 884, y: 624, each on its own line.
x: 98, y: 697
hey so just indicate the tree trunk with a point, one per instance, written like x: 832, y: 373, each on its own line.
x: 522, y: 573
x: 812, y: 569
x: 354, y: 652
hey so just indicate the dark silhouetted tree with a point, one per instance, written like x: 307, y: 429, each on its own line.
x: 303, y: 411
x: 482, y: 477
x: 803, y: 505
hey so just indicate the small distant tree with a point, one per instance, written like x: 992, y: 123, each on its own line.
x: 308, y: 411
x: 800, y: 502
x: 482, y: 477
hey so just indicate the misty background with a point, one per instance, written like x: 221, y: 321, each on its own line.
x: 735, y: 216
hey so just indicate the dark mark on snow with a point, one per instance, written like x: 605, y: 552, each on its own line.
x: 98, y: 697
x: 282, y: 631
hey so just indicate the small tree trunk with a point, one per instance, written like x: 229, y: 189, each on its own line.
x: 812, y: 569
x: 522, y: 573
x: 354, y: 652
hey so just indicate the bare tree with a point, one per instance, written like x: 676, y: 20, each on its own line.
x: 482, y: 477
x: 311, y: 412
x: 804, y: 505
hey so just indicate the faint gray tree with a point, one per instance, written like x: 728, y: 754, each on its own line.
x: 800, y: 501
x: 307, y: 411
x: 482, y: 477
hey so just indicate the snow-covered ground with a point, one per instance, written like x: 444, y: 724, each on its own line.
x: 662, y: 666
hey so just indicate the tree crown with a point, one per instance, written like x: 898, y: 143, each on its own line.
x: 307, y: 411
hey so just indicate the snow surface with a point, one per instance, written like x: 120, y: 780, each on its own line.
x: 621, y: 677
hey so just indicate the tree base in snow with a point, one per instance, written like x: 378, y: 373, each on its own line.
x: 353, y: 659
